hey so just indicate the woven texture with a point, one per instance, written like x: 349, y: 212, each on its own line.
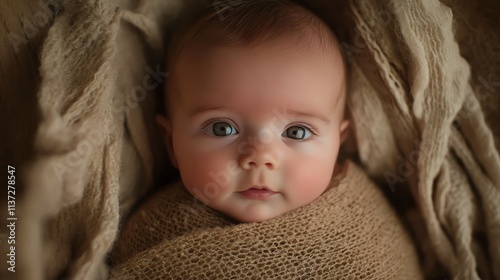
x: 438, y: 141
x: 418, y: 126
x: 351, y: 231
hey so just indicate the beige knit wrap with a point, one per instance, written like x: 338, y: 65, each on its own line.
x: 349, y: 231
x: 419, y: 129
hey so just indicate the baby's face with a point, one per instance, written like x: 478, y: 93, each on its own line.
x: 256, y: 132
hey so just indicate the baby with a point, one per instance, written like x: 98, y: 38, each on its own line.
x: 255, y: 118
x: 255, y: 108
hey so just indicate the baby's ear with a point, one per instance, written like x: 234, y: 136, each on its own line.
x: 166, y: 125
x: 344, y: 130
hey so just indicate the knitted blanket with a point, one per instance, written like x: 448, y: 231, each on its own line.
x: 419, y: 130
x: 349, y: 231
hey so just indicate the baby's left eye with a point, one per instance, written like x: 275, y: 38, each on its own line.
x: 221, y: 129
x: 297, y: 133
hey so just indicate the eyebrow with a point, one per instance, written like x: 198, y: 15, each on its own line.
x: 297, y: 113
x: 203, y: 109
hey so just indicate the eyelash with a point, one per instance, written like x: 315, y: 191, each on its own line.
x: 205, y: 124
x: 306, y: 125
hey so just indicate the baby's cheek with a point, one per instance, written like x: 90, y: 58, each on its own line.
x: 310, y: 179
x: 203, y: 170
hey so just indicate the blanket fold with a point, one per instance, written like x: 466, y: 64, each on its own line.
x: 349, y: 231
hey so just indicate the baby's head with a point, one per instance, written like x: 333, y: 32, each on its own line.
x: 255, y: 108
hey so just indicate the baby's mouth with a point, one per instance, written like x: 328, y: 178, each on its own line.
x: 259, y: 193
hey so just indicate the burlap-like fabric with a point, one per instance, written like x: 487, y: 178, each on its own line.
x: 418, y: 127
x: 351, y: 231
x: 432, y: 136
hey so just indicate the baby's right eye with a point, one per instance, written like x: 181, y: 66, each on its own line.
x: 221, y: 129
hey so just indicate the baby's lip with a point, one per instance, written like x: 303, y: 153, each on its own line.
x: 258, y: 192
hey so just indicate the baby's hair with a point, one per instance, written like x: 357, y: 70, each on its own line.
x: 251, y: 23
x: 244, y: 23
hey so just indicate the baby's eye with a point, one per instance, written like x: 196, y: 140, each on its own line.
x: 297, y: 133
x: 221, y: 129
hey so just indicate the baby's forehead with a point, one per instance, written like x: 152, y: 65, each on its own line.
x: 252, y: 24
x: 268, y: 74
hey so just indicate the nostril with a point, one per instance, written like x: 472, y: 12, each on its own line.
x: 270, y: 165
x: 248, y: 162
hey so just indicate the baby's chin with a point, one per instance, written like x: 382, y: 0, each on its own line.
x: 253, y: 213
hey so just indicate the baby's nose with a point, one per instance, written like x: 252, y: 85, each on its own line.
x: 258, y: 158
